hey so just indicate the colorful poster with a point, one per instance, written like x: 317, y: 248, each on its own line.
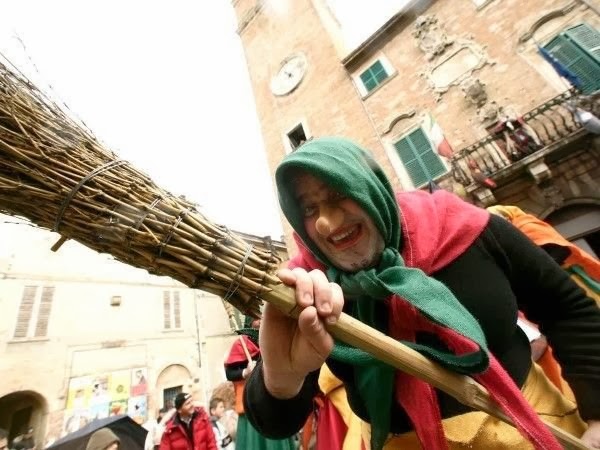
x: 79, y: 393
x: 137, y: 409
x: 139, y: 385
x: 74, y: 420
x: 99, y: 390
x: 98, y: 411
x: 119, y: 384
x: 117, y: 407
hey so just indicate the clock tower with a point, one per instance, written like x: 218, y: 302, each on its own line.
x: 301, y: 88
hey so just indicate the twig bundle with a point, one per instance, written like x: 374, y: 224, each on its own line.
x: 54, y: 172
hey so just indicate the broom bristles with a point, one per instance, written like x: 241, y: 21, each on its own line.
x: 54, y: 172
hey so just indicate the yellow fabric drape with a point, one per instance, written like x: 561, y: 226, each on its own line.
x: 334, y: 389
x: 477, y: 430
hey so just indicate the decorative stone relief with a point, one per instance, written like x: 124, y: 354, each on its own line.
x: 466, y: 57
x: 398, y: 118
x: 474, y: 91
x: 432, y: 39
x: 540, y: 171
x: 489, y: 114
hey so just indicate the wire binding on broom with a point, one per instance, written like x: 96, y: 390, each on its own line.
x: 78, y: 186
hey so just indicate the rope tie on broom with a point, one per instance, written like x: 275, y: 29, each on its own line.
x: 89, y: 176
x: 235, y: 283
x: 168, y: 237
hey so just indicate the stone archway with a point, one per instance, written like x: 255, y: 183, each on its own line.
x: 579, y: 222
x: 23, y: 409
x: 171, y: 380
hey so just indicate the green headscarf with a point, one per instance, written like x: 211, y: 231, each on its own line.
x: 351, y: 171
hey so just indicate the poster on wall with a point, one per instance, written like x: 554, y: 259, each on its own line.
x: 73, y: 421
x: 137, y: 408
x: 119, y: 384
x: 99, y: 411
x: 79, y: 393
x: 139, y: 385
x: 102, y: 395
x: 99, y: 390
x: 117, y: 407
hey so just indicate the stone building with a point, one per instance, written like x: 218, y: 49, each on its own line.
x: 84, y: 336
x: 458, y: 93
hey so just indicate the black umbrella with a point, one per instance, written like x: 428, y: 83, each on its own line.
x: 131, y: 434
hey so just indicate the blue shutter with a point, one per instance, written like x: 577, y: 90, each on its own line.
x: 578, y: 49
x: 419, y: 158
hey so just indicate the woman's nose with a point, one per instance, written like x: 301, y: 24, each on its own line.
x: 329, y: 219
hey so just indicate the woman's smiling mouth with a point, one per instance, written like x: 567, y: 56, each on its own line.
x: 345, y: 238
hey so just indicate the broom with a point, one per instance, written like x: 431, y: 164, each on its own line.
x: 56, y: 174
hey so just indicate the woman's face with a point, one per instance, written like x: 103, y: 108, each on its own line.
x: 337, y: 225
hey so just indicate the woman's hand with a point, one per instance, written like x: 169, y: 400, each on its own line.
x: 291, y: 348
x: 591, y: 437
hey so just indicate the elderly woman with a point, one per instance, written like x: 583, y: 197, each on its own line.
x: 437, y: 273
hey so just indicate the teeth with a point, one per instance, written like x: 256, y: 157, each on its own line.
x: 339, y: 237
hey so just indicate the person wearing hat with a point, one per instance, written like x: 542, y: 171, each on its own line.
x: 243, y: 357
x: 189, y: 428
x: 103, y: 439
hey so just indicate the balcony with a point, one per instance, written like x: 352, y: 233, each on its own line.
x: 518, y: 144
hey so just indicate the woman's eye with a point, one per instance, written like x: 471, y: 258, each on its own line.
x: 336, y: 196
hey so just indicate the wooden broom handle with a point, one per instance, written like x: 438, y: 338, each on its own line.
x: 398, y: 355
x: 245, y: 347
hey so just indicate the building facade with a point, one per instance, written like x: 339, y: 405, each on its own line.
x: 458, y: 93
x: 84, y: 336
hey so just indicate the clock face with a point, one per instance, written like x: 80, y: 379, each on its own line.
x: 290, y: 74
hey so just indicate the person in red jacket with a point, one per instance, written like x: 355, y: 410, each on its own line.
x: 189, y: 429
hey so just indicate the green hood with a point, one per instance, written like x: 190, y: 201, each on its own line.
x: 348, y: 169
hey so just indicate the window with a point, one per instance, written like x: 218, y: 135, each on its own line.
x: 169, y: 396
x: 297, y: 137
x: 419, y: 158
x: 34, y: 312
x: 374, y: 76
x: 578, y: 49
x: 171, y: 310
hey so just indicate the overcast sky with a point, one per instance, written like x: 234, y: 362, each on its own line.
x: 163, y: 84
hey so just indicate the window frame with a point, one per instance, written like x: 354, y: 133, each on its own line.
x: 38, y: 317
x: 389, y: 70
x: 287, y: 144
x: 400, y: 167
x: 171, y: 317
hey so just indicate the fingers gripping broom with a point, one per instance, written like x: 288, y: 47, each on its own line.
x: 55, y: 173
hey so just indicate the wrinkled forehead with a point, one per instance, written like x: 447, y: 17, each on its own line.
x: 306, y: 185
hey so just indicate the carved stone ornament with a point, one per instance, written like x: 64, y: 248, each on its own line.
x: 474, y: 91
x: 432, y: 40
x: 489, y: 113
x: 456, y: 66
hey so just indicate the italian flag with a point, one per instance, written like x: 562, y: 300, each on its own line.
x: 436, y: 136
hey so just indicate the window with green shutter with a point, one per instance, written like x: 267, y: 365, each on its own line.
x: 373, y: 76
x: 419, y: 158
x: 578, y: 49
